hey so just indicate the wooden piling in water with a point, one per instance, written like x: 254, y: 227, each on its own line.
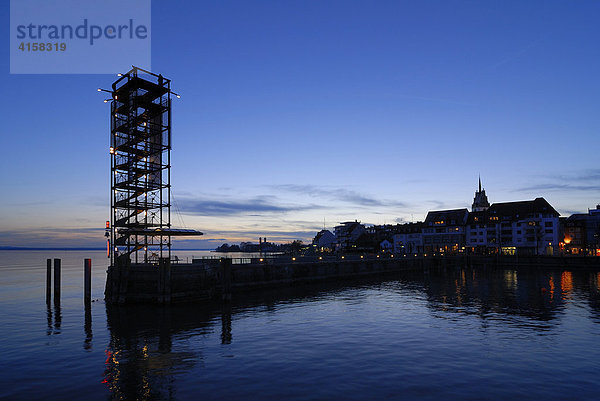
x: 57, y: 263
x: 48, y: 280
x: 87, y: 280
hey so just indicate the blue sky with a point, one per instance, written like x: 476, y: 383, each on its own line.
x: 298, y: 112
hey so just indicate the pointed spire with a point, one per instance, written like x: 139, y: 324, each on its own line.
x: 480, y: 202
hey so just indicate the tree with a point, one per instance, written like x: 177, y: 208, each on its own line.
x: 296, y: 246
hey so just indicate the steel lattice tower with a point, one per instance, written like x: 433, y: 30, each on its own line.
x: 140, y: 167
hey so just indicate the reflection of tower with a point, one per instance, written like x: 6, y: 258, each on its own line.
x: 480, y: 203
x: 141, y: 362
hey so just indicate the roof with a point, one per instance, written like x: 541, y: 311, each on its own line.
x: 447, y: 217
x: 522, y: 209
x: 349, y: 226
x: 408, y: 228
x: 321, y: 233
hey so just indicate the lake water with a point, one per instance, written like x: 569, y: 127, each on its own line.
x: 455, y: 335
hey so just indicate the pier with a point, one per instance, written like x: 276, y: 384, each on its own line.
x: 214, y: 279
x: 210, y: 280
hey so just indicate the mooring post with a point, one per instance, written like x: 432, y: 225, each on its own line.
x: 48, y: 280
x: 87, y: 280
x: 56, y: 280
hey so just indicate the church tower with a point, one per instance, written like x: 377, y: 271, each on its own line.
x: 480, y: 203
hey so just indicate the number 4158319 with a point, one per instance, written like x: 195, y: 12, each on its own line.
x: 42, y: 47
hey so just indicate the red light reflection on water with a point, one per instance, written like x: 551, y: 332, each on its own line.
x: 111, y: 372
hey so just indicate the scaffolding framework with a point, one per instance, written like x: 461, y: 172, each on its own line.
x: 141, y: 167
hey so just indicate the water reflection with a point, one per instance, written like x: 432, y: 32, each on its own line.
x: 150, y: 346
x: 87, y: 327
x: 226, y: 324
x: 54, y: 319
x: 49, y: 319
x: 57, y: 318
x: 483, y: 292
x: 140, y: 360
x: 594, y: 298
x: 534, y: 294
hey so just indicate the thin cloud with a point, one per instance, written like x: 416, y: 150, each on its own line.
x: 262, y: 233
x: 437, y: 100
x: 53, y: 231
x: 438, y: 205
x: 253, y: 206
x: 337, y: 194
x: 54, y: 237
x: 559, y: 187
x: 517, y: 54
x: 584, y: 181
x: 32, y: 203
x: 588, y: 175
